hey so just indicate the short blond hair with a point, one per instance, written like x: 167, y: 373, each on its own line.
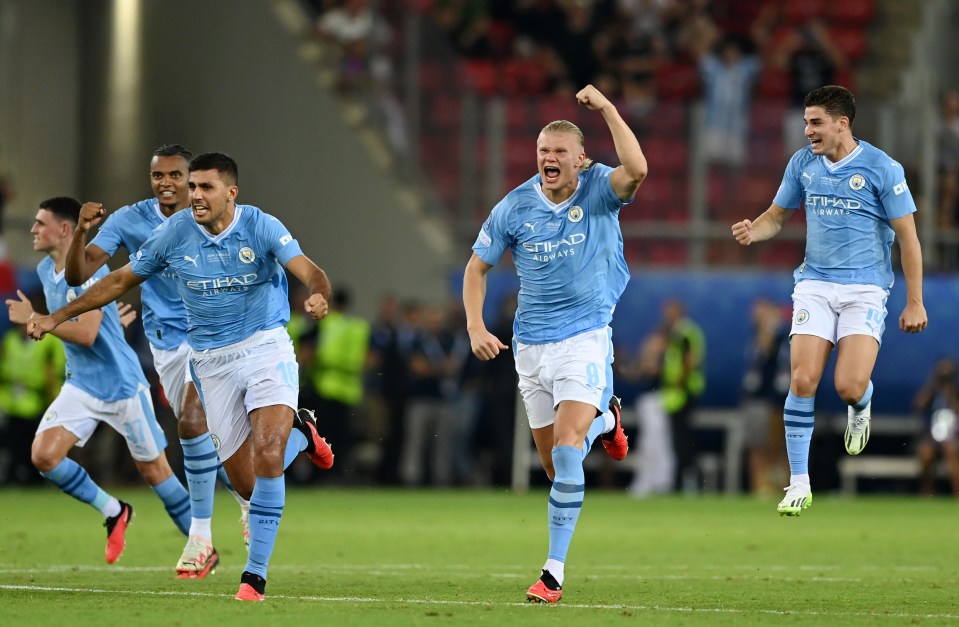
x: 565, y: 126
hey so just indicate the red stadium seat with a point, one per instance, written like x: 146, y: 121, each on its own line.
x: 851, y: 41
x: 775, y: 84
x: 800, y: 11
x: 851, y: 13
x: 677, y: 81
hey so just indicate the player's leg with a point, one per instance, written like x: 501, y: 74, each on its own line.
x: 808, y: 356
x: 271, y: 427
x: 861, y: 324
x: 578, y: 373
x: 855, y: 360
x: 134, y: 419
x: 65, y: 424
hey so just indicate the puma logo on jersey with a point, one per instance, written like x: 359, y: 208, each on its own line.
x: 191, y: 259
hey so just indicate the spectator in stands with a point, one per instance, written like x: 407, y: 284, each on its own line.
x: 356, y: 34
x: 765, y: 386
x: 938, y: 404
x: 728, y: 74
x: 682, y: 383
x: 808, y: 53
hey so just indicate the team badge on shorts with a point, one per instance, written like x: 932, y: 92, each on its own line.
x: 50, y: 415
x: 857, y: 181
x: 247, y: 255
x: 802, y: 316
x: 216, y: 442
x: 575, y: 214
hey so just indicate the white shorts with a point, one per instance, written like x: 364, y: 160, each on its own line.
x: 79, y: 413
x: 234, y: 380
x: 173, y: 368
x: 579, y: 368
x: 834, y: 310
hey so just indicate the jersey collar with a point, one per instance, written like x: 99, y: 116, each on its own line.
x: 216, y: 239
x: 557, y: 208
x: 832, y: 167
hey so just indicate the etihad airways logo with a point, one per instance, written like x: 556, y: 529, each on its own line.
x: 547, y: 251
x: 223, y: 284
x: 831, y: 205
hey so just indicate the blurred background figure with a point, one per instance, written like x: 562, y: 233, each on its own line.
x: 31, y: 374
x: 938, y: 404
x: 681, y: 384
x: 948, y: 166
x: 428, y: 433
x: 336, y: 362
x: 765, y: 385
x: 654, y: 461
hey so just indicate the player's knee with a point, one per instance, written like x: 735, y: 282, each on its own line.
x: 44, y: 460
x: 851, y: 391
x: 192, y: 424
x: 804, y: 384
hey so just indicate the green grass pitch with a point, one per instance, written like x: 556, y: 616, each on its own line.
x: 379, y: 557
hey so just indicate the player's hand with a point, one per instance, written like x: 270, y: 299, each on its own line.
x: 913, y: 318
x: 91, y: 213
x: 316, y: 306
x: 743, y: 232
x: 591, y: 98
x: 20, y: 309
x: 127, y: 314
x: 40, y: 326
x: 485, y: 345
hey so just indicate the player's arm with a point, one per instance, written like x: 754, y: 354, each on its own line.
x: 633, y: 168
x: 762, y: 228
x: 83, y: 259
x: 485, y: 345
x: 104, y: 291
x: 313, y: 277
x: 82, y: 331
x: 913, y: 318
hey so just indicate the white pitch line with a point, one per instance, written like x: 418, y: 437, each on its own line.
x: 373, y: 600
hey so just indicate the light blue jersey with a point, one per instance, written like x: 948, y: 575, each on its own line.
x: 109, y: 370
x: 568, y: 256
x: 164, y: 316
x: 849, y: 206
x: 231, y: 284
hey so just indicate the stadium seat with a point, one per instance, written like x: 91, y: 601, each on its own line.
x: 677, y: 80
x: 800, y: 11
x: 480, y: 76
x: 851, y: 13
x: 851, y: 41
x: 667, y: 155
x: 774, y: 84
x: 445, y: 112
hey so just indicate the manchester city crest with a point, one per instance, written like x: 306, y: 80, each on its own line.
x: 802, y: 316
x: 247, y: 255
x: 575, y: 214
x: 857, y: 181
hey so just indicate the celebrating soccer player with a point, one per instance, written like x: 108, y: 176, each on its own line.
x: 562, y: 227
x: 226, y: 258
x: 856, y: 202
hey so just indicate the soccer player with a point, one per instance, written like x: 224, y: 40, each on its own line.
x: 856, y: 202
x: 226, y: 258
x: 165, y: 325
x: 562, y: 227
x: 104, y: 383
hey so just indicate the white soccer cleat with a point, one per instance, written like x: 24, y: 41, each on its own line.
x: 798, y: 498
x: 857, y: 430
